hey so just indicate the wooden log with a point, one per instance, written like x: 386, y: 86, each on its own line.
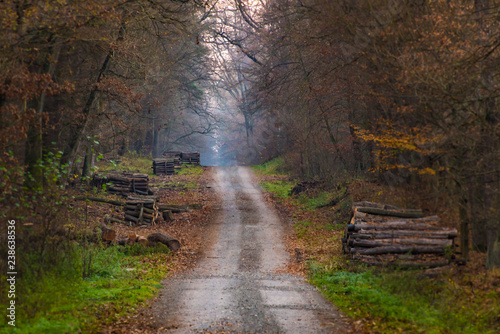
x: 103, y: 200
x: 137, y: 214
x: 170, y: 242
x: 136, y: 207
x: 167, y: 215
x: 375, y: 205
x: 132, y: 238
x: 174, y: 208
x: 393, y: 213
x: 131, y: 218
x: 108, y: 235
x: 142, y: 240
x: 396, y: 241
x: 391, y: 226
x: 435, y: 234
x: 144, y: 202
x: 398, y: 249
x: 360, y: 217
x: 408, y: 264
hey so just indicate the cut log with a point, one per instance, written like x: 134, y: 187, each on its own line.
x: 132, y: 238
x: 396, y: 241
x: 398, y: 249
x: 392, y: 213
x: 107, y: 235
x: 361, y: 217
x: 137, y: 207
x: 407, y: 264
x: 375, y: 205
x: 103, y: 200
x: 374, y: 234
x: 174, y: 208
x: 142, y: 240
x: 170, y: 242
x: 393, y: 225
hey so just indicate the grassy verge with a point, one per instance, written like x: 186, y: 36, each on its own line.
x: 407, y: 302
x: 130, y: 162
x: 119, y: 280
x: 190, y: 170
x: 463, y: 300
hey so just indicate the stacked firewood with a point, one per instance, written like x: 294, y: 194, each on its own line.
x: 141, y: 210
x: 176, y: 155
x: 163, y: 166
x: 190, y: 158
x: 121, y: 182
x: 386, y: 235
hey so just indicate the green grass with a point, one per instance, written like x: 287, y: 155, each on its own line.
x: 280, y: 188
x: 190, y: 170
x: 406, y: 302
x: 130, y: 162
x: 311, y: 203
x: 275, y: 166
x: 120, y: 280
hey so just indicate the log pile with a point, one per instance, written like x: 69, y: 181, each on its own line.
x: 192, y: 158
x: 385, y: 235
x: 163, y: 166
x: 176, y: 155
x: 141, y: 210
x: 123, y: 182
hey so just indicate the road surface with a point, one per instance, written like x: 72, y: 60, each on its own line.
x: 239, y: 286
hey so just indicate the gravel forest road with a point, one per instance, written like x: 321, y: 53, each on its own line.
x: 240, y: 286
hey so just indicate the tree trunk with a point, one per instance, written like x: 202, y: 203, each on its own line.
x: 464, y: 228
x: 399, y: 249
x: 87, y: 162
x: 155, y: 139
x: 34, y: 142
x: 493, y: 257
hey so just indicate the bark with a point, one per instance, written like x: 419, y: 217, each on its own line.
x: 408, y: 264
x: 170, y: 242
x: 464, y: 228
x: 87, y: 162
x: 373, y: 234
x: 392, y: 213
x: 391, y: 226
x: 396, y: 241
x: 493, y: 257
x: 103, y: 200
x: 34, y: 142
x: 399, y: 249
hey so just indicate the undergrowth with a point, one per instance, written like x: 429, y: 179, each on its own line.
x: 120, y: 279
x: 407, y: 302
x: 130, y: 162
x: 280, y: 188
x: 275, y: 166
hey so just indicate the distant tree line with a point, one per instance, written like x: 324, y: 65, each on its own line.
x: 111, y: 75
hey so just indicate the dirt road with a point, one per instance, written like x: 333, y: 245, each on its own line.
x: 238, y: 286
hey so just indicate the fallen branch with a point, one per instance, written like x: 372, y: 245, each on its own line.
x: 97, y: 199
